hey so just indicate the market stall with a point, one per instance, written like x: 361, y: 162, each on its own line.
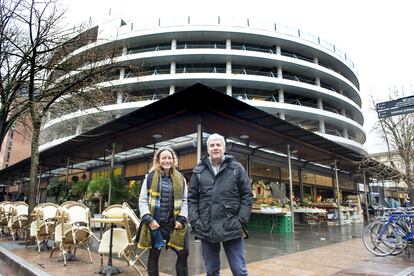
x: 270, y: 212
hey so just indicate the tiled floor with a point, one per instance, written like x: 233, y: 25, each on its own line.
x: 308, y: 251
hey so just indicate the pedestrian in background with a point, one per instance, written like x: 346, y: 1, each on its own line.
x: 220, y: 200
x: 164, y: 210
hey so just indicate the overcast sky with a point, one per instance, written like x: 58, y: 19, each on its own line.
x: 376, y: 34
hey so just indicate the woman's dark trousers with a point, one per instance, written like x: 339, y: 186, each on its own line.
x: 180, y: 266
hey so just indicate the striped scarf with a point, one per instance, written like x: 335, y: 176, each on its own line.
x: 150, y: 239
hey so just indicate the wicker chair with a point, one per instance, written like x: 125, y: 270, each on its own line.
x: 18, y: 219
x: 4, y: 215
x: 43, y: 225
x: 73, y: 230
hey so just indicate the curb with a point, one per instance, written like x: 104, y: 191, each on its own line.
x: 20, y: 265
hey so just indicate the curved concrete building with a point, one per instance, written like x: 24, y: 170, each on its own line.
x: 287, y: 72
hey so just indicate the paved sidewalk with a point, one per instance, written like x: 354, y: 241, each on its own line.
x: 345, y: 258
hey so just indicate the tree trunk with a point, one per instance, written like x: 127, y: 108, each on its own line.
x: 409, y: 183
x: 34, y: 165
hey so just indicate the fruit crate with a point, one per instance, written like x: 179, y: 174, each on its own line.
x: 269, y: 223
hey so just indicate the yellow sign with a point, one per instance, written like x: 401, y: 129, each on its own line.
x: 106, y: 173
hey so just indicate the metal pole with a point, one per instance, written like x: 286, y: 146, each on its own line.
x: 291, y: 190
x: 398, y: 192
x: 67, y: 173
x: 383, y: 191
x: 112, y: 171
x: 365, y: 194
x: 21, y: 184
x: 301, y: 189
x: 302, y: 192
x: 199, y: 141
x: 337, y: 194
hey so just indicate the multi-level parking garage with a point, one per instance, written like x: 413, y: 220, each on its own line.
x: 287, y: 72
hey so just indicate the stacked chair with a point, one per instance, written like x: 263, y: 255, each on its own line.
x: 4, y: 215
x: 119, y: 237
x: 72, y: 230
x: 44, y: 219
x: 123, y: 237
x: 18, y: 219
x: 131, y: 252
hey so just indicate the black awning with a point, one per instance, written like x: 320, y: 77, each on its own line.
x: 178, y: 115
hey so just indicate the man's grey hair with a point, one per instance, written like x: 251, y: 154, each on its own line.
x: 215, y: 137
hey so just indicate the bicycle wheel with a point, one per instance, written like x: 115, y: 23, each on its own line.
x: 402, y: 231
x: 380, y: 238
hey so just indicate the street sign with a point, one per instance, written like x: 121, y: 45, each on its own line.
x: 398, y: 103
x: 395, y: 112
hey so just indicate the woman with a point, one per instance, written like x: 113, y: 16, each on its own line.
x: 164, y: 210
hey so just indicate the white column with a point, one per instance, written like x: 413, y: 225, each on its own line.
x: 279, y: 72
x: 79, y: 128
x: 229, y: 90
x: 173, y: 66
x: 318, y: 81
x: 321, y: 121
x: 228, y: 44
x: 172, y: 89
x: 315, y: 60
x: 278, y: 50
x: 122, y: 74
x: 345, y: 130
x: 124, y: 51
x: 281, y: 99
x: 119, y: 97
x: 172, y: 72
x: 321, y: 126
x: 341, y: 91
x: 345, y: 133
x: 281, y: 96
x: 320, y: 103
x: 228, y: 67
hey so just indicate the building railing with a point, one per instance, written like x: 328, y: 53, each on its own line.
x: 239, y: 22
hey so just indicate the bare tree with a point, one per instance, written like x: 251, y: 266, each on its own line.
x: 13, y: 68
x: 398, y: 134
x: 54, y: 81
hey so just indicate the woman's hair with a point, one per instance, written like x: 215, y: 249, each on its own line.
x: 156, y: 159
x: 218, y: 137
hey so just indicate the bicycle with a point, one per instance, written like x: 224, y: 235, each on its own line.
x: 390, y: 234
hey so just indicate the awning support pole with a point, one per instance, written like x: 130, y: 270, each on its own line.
x: 291, y: 190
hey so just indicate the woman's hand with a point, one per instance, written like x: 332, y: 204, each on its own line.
x: 154, y: 225
x: 178, y: 225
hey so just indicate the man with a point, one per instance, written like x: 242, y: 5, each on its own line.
x: 219, y: 201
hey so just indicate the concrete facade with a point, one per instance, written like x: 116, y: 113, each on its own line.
x: 287, y: 72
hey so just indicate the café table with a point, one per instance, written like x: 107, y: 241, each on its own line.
x: 109, y: 269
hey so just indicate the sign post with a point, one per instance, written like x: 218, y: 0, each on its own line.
x: 395, y: 107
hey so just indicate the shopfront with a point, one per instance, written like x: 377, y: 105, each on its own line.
x: 279, y: 156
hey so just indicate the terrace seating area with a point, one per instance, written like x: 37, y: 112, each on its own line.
x: 67, y: 227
